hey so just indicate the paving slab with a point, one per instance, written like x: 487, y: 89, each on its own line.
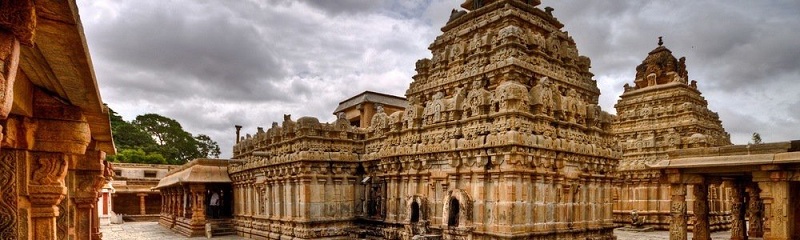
x: 147, y: 231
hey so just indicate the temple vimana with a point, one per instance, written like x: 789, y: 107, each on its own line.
x: 499, y: 136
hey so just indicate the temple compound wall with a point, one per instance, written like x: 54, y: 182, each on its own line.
x: 502, y: 139
x: 55, y: 128
x: 662, y: 112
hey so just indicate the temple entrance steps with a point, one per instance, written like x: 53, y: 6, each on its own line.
x: 221, y: 227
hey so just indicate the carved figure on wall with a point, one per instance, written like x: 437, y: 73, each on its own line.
x: 380, y: 119
x: 636, y: 220
x: 477, y: 98
x: 542, y: 96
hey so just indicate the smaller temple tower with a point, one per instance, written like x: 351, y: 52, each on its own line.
x: 662, y: 111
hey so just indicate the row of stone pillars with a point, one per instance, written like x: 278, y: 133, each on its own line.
x: 746, y: 204
x: 184, y: 201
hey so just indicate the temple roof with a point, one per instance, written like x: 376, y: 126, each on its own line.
x: 59, y: 62
x: 374, y: 97
x: 198, y: 171
x: 660, y: 67
x: 727, y: 157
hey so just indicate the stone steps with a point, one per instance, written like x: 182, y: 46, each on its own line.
x: 222, y: 227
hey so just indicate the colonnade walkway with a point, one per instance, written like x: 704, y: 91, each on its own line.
x: 153, y: 231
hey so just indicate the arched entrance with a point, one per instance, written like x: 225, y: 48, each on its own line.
x: 457, y: 210
x: 452, y: 219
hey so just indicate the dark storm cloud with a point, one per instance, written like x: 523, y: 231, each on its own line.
x: 348, y: 6
x: 213, y: 64
x: 196, y: 53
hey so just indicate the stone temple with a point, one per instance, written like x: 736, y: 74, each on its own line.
x: 499, y: 136
x: 662, y: 112
x: 502, y: 138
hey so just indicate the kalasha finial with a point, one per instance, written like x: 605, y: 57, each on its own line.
x: 660, y: 41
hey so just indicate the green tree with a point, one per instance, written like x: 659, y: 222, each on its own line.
x: 138, y: 156
x: 756, y: 138
x: 174, y: 143
x: 207, y: 147
x: 152, y: 138
x: 129, y: 136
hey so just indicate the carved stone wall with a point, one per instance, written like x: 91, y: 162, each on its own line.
x: 502, y: 129
x: 8, y: 196
x: 662, y: 112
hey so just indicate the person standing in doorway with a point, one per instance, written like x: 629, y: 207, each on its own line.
x: 214, y: 205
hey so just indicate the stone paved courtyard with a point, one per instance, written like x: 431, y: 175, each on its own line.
x: 152, y: 231
x: 145, y: 231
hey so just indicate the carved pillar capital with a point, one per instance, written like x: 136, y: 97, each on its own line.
x: 46, y: 195
x: 84, y: 202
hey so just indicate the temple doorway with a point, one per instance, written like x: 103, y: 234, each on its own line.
x: 452, y: 216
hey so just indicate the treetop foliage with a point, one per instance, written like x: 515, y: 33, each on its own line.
x: 156, y: 139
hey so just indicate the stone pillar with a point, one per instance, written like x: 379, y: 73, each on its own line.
x: 738, y: 230
x: 701, y: 226
x: 16, y: 29
x: 775, y: 196
x: 89, y: 177
x: 754, y: 212
x: 95, y: 230
x: 142, y: 203
x: 83, y: 226
x: 198, y: 191
x: 677, y: 229
x: 173, y: 202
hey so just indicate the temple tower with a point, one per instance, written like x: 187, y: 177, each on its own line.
x: 663, y: 111
x: 502, y: 138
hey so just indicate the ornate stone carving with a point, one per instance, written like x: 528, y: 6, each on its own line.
x: 50, y: 169
x: 738, y: 228
x: 659, y: 114
x: 9, y: 62
x: 8, y: 196
x: 755, y: 212
x: 701, y: 230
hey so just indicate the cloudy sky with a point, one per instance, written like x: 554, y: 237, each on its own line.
x: 213, y: 64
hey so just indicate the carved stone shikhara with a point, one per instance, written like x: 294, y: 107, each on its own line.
x: 661, y: 113
x: 502, y: 138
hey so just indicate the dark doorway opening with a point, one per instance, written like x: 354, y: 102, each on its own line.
x: 452, y: 219
x: 414, y: 212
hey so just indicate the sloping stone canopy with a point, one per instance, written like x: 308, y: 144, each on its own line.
x: 198, y: 171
